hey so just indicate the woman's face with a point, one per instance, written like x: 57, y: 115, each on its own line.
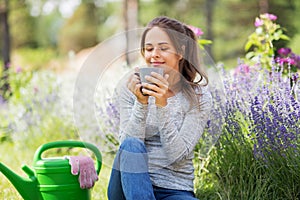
x: 159, y: 50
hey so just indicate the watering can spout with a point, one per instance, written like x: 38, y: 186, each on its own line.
x: 27, y: 187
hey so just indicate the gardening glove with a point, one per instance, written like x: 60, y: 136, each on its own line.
x: 83, y: 165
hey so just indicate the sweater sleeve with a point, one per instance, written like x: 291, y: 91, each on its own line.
x: 132, y: 116
x: 179, y: 144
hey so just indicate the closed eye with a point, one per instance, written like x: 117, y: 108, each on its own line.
x: 149, y: 48
x: 163, y: 48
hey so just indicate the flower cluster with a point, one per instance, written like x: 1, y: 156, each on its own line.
x: 17, y: 79
x: 259, y: 46
x: 265, y: 18
x: 198, y: 32
x: 275, y: 120
x: 269, y: 108
x: 288, y: 62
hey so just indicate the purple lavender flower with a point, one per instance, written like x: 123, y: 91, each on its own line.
x: 2, y: 101
x: 296, y: 58
x: 268, y: 106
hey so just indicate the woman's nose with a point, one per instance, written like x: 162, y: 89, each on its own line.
x: 156, y: 52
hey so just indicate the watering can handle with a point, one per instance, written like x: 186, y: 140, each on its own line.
x: 69, y: 143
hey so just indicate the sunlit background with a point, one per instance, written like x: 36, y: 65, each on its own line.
x: 64, y: 28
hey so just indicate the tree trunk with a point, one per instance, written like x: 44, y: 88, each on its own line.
x: 263, y: 6
x: 6, y: 47
x: 131, y: 24
x: 209, y: 5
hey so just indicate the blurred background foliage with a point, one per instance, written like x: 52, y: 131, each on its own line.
x: 65, y: 26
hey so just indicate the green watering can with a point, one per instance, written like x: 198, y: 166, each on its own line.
x: 51, y: 178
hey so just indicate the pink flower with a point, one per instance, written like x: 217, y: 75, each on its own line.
x: 258, y: 22
x: 198, y: 32
x: 283, y: 61
x: 271, y: 16
x: 284, y: 51
x: 292, y: 61
x: 18, y: 70
x: 35, y: 90
x: 242, y: 69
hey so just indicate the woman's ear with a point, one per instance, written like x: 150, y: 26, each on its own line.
x: 181, y: 54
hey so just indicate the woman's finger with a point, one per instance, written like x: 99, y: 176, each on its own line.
x: 158, y: 80
x: 135, y: 86
x: 155, y: 88
x: 159, y: 77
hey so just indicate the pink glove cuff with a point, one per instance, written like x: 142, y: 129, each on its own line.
x: 86, y: 168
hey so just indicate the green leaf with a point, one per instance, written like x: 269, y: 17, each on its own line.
x: 204, y: 42
x: 248, y: 45
x: 250, y: 55
x: 284, y: 37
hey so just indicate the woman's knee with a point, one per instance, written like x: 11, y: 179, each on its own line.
x: 133, y: 156
x: 134, y: 145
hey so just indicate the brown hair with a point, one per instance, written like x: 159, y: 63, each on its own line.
x: 185, y: 42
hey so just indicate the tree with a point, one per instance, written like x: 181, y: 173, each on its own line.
x: 80, y: 31
x: 263, y: 6
x: 22, y: 25
x: 209, y: 23
x: 130, y: 22
x: 6, y: 47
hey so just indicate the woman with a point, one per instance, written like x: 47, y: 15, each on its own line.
x: 161, y: 123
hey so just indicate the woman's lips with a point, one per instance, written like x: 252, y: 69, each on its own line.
x: 157, y: 63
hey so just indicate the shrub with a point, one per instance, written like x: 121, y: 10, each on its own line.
x: 32, y: 59
x: 36, y: 111
x: 259, y: 46
x: 256, y: 156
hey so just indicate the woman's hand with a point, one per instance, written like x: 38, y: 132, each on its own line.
x: 159, y: 88
x: 135, y: 86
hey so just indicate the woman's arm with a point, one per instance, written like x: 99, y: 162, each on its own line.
x: 132, y: 115
x: 178, y: 144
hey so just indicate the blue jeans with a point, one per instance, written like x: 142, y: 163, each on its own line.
x: 130, y: 179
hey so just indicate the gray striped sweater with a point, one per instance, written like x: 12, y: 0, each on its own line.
x: 170, y: 134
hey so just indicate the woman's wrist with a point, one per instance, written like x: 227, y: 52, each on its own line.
x: 161, y: 103
x: 141, y: 105
x: 144, y: 102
